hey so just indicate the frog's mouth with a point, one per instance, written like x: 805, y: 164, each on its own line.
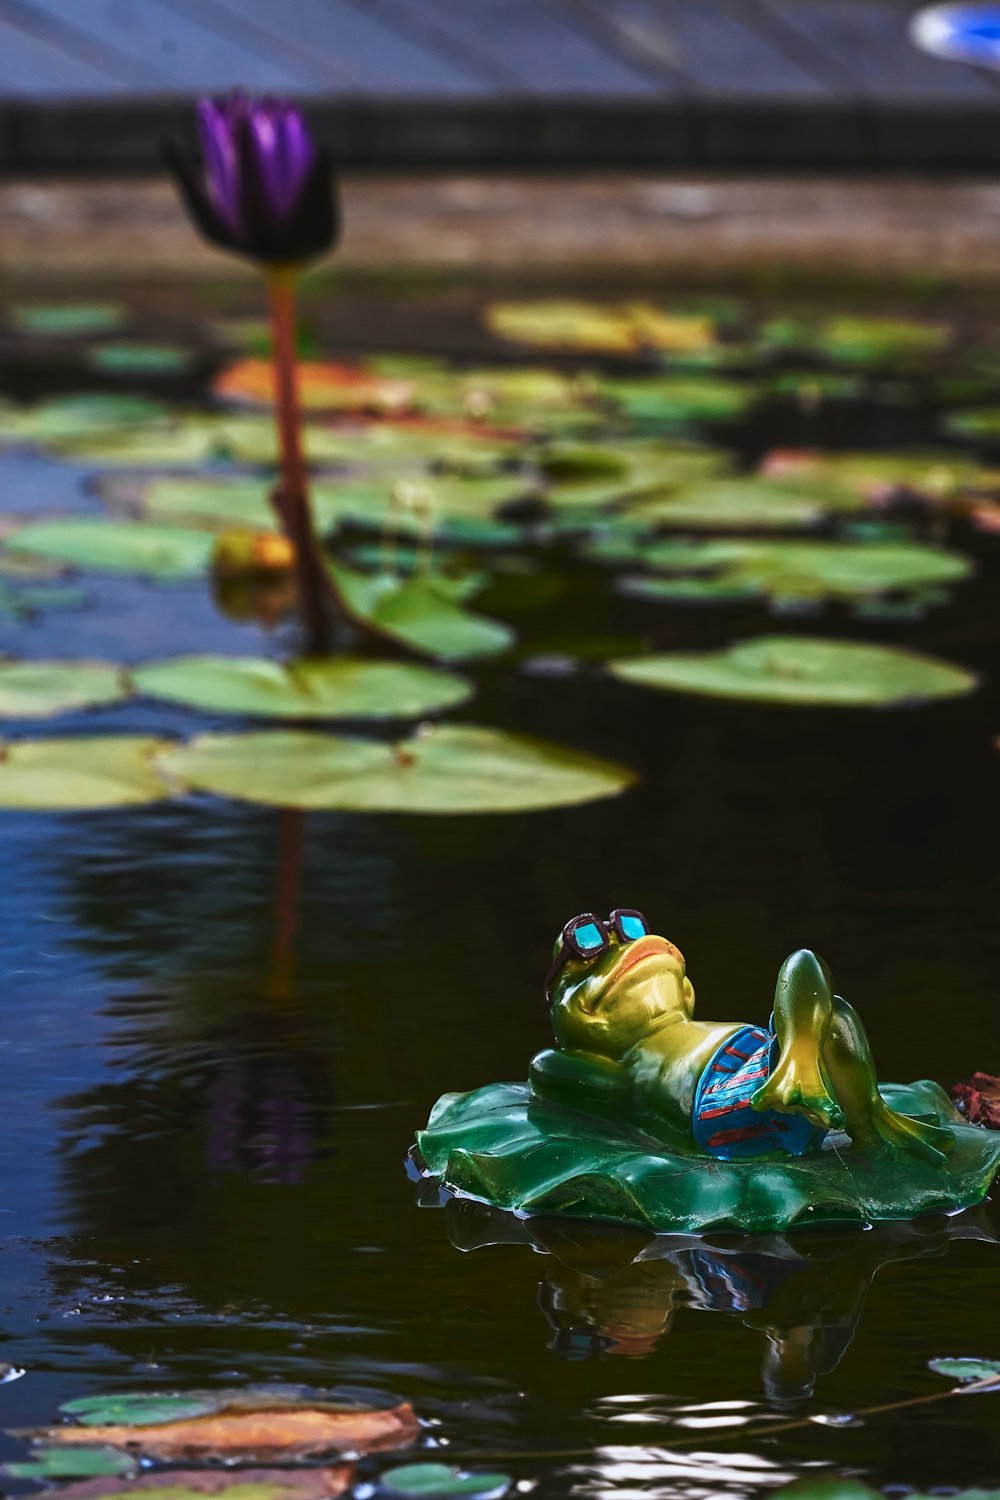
x: 637, y: 953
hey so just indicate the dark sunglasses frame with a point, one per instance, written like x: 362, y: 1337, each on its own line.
x: 572, y: 949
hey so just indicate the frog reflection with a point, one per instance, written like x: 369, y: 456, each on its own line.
x: 617, y: 1292
x: 630, y: 1049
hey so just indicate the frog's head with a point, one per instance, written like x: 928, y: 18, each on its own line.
x: 613, y: 982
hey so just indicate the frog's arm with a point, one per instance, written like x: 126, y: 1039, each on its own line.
x: 583, y: 1081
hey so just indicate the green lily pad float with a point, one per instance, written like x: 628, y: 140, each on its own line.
x: 967, y: 1371
x: 417, y: 614
x: 140, y: 359
x: 37, y: 689
x: 694, y: 590
x: 320, y: 688
x: 672, y: 402
x: 218, y: 504
x: 623, y: 328
x: 70, y: 419
x: 810, y: 388
x: 981, y: 424
x: 163, y: 552
x: 881, y: 341
x: 653, y: 470
x: 802, y: 670
x: 934, y: 475
x: 185, y: 443
x: 445, y: 769
x: 440, y: 1482
x: 137, y: 1409
x: 66, y: 319
x: 86, y: 773
x: 803, y: 570
x: 740, y: 503
x: 74, y: 1463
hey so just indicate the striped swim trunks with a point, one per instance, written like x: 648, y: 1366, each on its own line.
x: 724, y: 1124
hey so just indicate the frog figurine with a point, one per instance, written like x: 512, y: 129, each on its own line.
x: 644, y: 1115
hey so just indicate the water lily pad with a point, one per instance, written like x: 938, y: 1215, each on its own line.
x: 164, y: 552
x: 120, y: 358
x: 694, y: 590
x: 670, y: 402
x: 740, y: 503
x: 137, y: 1409
x: 967, y: 1371
x: 418, y: 614
x: 448, y: 769
x: 980, y: 423
x: 86, y: 773
x: 440, y: 1482
x: 323, y: 386
x: 313, y: 1483
x: 881, y: 341
x: 215, y: 503
x: 625, y: 328
x: 933, y: 475
x: 322, y: 688
x: 799, y: 570
x: 66, y: 319
x: 37, y: 689
x: 802, y: 670
x: 68, y: 419
x: 74, y: 1463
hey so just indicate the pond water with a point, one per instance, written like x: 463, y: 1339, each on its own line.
x: 222, y: 1024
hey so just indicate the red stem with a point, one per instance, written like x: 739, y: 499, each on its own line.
x: 291, y: 500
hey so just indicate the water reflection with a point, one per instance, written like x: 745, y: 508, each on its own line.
x: 611, y: 1291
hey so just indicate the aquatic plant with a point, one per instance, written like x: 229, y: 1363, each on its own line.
x: 265, y: 190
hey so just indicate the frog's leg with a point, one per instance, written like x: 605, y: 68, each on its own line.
x: 848, y: 1062
x: 803, y: 1017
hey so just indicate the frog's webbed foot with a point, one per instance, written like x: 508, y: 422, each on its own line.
x: 933, y: 1142
x: 795, y: 1088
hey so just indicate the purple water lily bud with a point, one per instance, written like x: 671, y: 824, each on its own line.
x: 263, y: 187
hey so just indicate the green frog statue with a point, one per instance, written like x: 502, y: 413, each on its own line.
x: 642, y: 1114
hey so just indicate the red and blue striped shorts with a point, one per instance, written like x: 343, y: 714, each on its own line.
x: 724, y: 1124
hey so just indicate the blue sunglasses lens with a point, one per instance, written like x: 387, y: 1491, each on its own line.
x: 632, y: 928
x: 589, y: 938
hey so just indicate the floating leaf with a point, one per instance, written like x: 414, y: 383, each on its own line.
x: 881, y: 341
x: 448, y: 769
x: 321, y: 688
x: 619, y: 329
x: 738, y: 504
x: 980, y: 423
x: 875, y: 476
x: 137, y: 1409
x: 215, y: 503
x: 76, y: 1463
x: 67, y: 419
x: 418, y: 614
x: 91, y: 773
x: 690, y: 590
x: 187, y: 442
x: 140, y: 359
x: 807, y: 570
x: 37, y: 689
x: 802, y: 670
x: 234, y: 1484
x: 968, y: 1371
x: 323, y: 386
x: 670, y: 401
x: 66, y: 319
x: 440, y: 1482
x: 165, y: 552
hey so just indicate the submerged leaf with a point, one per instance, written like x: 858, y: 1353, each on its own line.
x: 802, y: 670
x: 36, y: 689
x: 166, y: 552
x: 321, y: 688
x: 84, y: 774
x: 446, y: 769
x: 416, y: 613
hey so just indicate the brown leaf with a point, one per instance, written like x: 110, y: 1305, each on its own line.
x: 282, y: 1432
x: 237, y: 1484
x: 979, y: 1100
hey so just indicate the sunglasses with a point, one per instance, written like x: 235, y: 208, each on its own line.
x: 586, y: 936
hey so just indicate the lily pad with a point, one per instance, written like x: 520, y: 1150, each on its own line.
x: 37, y: 689
x: 137, y: 1409
x: 75, y: 1463
x: 164, y: 552
x: 322, y: 688
x: 625, y: 328
x: 799, y: 570
x: 449, y: 769
x: 968, y: 1371
x: 440, y: 1482
x: 120, y: 358
x: 670, y: 402
x: 311, y: 1483
x: 980, y: 423
x: 84, y: 774
x: 740, y: 503
x: 418, y: 614
x: 802, y: 670
x: 882, y: 341
x: 213, y: 503
x: 323, y: 386
x: 933, y: 475
x: 66, y: 319
x: 68, y: 419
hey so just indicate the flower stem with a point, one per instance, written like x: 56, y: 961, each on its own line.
x: 291, y: 498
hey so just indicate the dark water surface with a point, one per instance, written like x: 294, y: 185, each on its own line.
x: 201, y: 1170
